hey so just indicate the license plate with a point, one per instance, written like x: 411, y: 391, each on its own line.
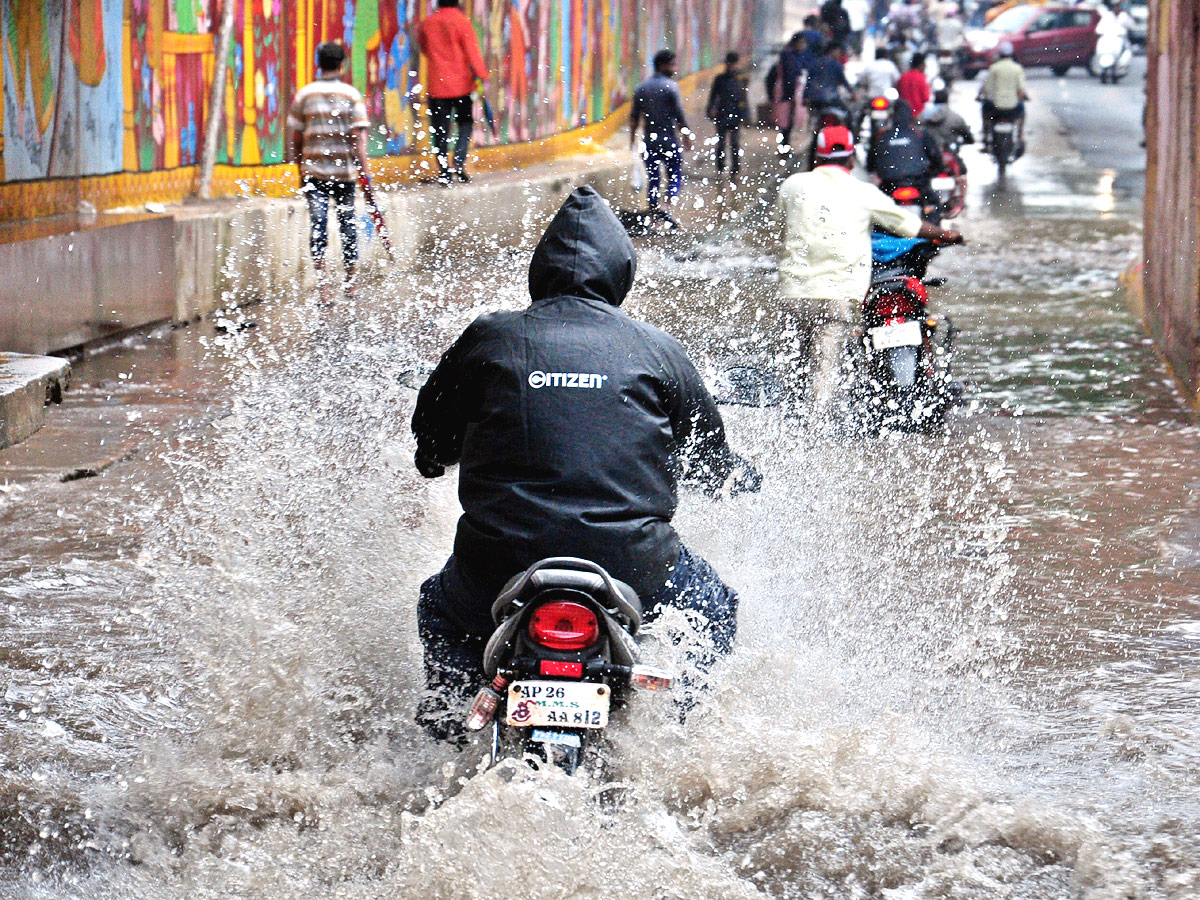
x: 568, y: 704
x: 1003, y: 127
x: 942, y: 183
x: 905, y: 334
x: 879, y: 115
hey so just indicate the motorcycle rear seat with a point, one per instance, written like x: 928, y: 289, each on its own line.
x: 569, y: 573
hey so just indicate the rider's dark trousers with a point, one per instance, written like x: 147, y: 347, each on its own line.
x: 454, y: 658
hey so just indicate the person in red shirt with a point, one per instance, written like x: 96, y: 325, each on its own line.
x: 913, y: 87
x: 451, y: 50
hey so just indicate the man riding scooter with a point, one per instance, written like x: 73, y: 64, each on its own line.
x: 1003, y: 96
x: 571, y: 424
x: 905, y: 155
x: 825, y: 262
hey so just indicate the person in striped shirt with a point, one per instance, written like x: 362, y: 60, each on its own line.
x: 327, y: 123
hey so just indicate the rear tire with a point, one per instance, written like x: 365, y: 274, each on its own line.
x: 516, y: 743
x: 902, y: 363
x: 1060, y: 71
x: 1002, y: 150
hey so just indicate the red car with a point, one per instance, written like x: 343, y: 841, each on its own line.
x: 1055, y: 36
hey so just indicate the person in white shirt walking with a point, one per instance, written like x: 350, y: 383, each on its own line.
x: 825, y: 265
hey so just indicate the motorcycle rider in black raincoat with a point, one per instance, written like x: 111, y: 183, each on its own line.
x: 905, y: 154
x: 571, y: 424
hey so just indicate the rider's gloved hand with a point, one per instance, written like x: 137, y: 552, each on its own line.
x: 429, y: 468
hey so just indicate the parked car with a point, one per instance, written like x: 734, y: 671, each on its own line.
x: 1057, y: 37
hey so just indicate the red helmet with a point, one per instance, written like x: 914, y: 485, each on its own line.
x: 835, y: 142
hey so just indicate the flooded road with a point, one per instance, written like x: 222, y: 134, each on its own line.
x: 968, y: 665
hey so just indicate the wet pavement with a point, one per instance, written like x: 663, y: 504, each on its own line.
x: 968, y: 664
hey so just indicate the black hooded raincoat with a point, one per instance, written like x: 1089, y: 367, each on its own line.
x: 570, y: 421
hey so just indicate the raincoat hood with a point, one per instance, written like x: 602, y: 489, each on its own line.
x: 584, y: 253
x: 902, y: 114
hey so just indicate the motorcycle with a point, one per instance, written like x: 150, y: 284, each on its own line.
x: 563, y: 655
x: 1006, y: 147
x: 950, y: 184
x: 948, y: 64
x: 1113, y: 56
x: 901, y: 367
x: 920, y: 194
x: 879, y: 113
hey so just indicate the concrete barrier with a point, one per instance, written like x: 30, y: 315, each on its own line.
x: 231, y: 254
x: 65, y: 289
x: 27, y: 385
x: 61, y: 290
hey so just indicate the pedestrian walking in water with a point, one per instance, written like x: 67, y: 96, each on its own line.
x: 327, y: 123
x: 785, y: 86
x: 451, y: 50
x: 658, y: 108
x: 729, y: 109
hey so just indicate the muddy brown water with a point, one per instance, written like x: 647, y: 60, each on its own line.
x: 968, y: 664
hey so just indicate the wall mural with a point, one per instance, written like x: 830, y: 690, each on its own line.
x: 101, y: 86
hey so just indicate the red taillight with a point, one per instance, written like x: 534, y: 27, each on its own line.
x: 564, y: 626
x: 880, y: 103
x: 906, y: 194
x: 560, y: 669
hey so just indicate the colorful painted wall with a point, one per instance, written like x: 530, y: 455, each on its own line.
x: 119, y: 88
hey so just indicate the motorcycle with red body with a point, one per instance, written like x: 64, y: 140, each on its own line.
x: 902, y: 353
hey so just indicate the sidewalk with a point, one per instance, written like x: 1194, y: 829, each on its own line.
x: 27, y: 385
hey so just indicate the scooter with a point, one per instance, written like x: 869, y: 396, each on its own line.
x: 901, y: 358
x: 950, y: 184
x: 1110, y: 63
x: 563, y: 655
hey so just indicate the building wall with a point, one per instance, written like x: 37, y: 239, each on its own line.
x: 1171, y: 276
x: 105, y: 100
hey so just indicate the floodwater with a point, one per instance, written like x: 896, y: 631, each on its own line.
x: 968, y: 665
